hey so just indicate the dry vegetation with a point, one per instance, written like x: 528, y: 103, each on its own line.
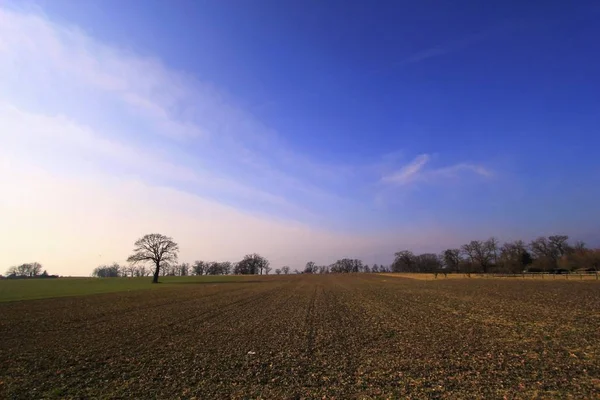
x: 525, y: 275
x: 327, y: 336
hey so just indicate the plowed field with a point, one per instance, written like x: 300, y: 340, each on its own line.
x: 332, y: 336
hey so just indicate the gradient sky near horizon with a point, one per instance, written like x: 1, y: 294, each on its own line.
x: 301, y: 130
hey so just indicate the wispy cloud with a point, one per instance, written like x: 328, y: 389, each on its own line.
x: 408, y: 172
x: 443, y: 49
x: 128, y: 101
x: 454, y: 171
x: 455, y: 45
x: 417, y: 171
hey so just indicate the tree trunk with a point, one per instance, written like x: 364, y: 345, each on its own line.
x: 156, y: 271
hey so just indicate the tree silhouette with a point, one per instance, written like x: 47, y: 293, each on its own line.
x: 159, y: 249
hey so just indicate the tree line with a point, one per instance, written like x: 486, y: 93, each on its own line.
x: 162, y: 253
x: 249, y: 265
x: 27, y: 271
x: 345, y: 265
x: 544, y: 254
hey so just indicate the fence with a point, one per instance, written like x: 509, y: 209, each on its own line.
x: 550, y: 275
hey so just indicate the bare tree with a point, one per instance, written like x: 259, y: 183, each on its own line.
x: 427, y: 262
x: 579, y: 246
x: 451, y: 258
x: 278, y: 271
x: 581, y: 257
x: 28, y: 270
x: 142, y: 271
x: 285, y: 270
x: 156, y: 248
x: 492, y: 246
x: 129, y: 270
x: 251, y: 264
x: 346, y: 265
x: 226, y: 267
x: 404, y: 261
x: 514, y: 256
x: 560, y: 244
x: 480, y: 253
x: 549, y: 250
x: 183, y: 269
x: 199, y: 267
x: 310, y: 268
x: 109, y: 271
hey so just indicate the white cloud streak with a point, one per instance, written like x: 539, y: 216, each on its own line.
x: 416, y: 171
x: 409, y: 172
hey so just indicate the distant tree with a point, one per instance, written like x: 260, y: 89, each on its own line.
x: 581, y: 258
x: 198, y: 268
x: 514, y: 257
x: 560, y: 245
x: 35, y: 269
x: 278, y: 271
x: 375, y: 268
x: 357, y: 265
x: 141, y: 271
x: 549, y: 250
x: 404, y: 261
x: 540, y: 247
x: 310, y: 268
x: 452, y: 259
x: 108, y: 271
x: 156, y: 248
x: 493, y: 248
x: 212, y: 268
x: 27, y: 270
x: 427, y: 262
x: 128, y: 270
x: 183, y: 269
x: 285, y: 270
x: 346, y: 265
x: 591, y: 259
x: 480, y: 254
x: 166, y: 269
x: 579, y: 246
x: 251, y: 264
x: 225, y: 268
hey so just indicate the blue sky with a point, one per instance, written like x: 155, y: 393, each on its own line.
x: 321, y: 129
